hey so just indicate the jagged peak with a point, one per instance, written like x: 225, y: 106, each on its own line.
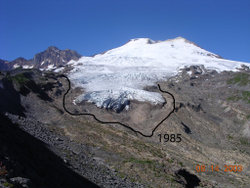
x: 52, y: 48
x: 20, y: 59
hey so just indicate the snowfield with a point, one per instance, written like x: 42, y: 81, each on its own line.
x: 112, y: 79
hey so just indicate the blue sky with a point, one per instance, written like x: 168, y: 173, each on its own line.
x: 93, y: 26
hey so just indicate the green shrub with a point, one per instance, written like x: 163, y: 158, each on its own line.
x: 20, y: 78
x: 246, y: 96
x: 233, y: 98
x: 6, y: 184
x: 240, y: 78
x: 230, y: 137
x: 244, y: 141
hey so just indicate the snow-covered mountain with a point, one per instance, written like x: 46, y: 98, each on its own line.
x: 113, y: 78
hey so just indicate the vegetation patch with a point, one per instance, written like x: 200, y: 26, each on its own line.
x: 6, y: 184
x: 20, y: 79
x: 242, y: 79
x: 244, y: 141
x: 181, y: 164
x: 234, y: 98
x: 230, y: 137
x: 244, y: 95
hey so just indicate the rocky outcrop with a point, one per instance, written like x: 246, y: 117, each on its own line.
x: 53, y: 57
x: 25, y: 156
x: 49, y: 59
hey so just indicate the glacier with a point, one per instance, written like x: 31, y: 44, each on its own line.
x: 112, y: 79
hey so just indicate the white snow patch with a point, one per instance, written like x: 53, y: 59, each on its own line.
x: 16, y: 66
x: 59, y: 69
x: 189, y: 73
x: 127, y: 107
x: 28, y: 66
x: 50, y: 67
x: 122, y: 73
x: 74, y: 102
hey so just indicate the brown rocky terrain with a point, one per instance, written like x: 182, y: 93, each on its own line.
x: 141, y: 116
x: 211, y: 114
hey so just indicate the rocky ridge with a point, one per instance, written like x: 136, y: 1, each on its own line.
x: 49, y: 59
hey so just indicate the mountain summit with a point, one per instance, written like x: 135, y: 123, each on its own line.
x: 120, y: 74
x: 49, y: 59
x: 168, y: 46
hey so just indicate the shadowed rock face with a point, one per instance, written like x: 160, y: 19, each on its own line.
x: 5, y: 65
x: 11, y: 96
x: 10, y: 99
x: 191, y: 180
x: 186, y: 128
x: 25, y: 156
x: 52, y: 57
